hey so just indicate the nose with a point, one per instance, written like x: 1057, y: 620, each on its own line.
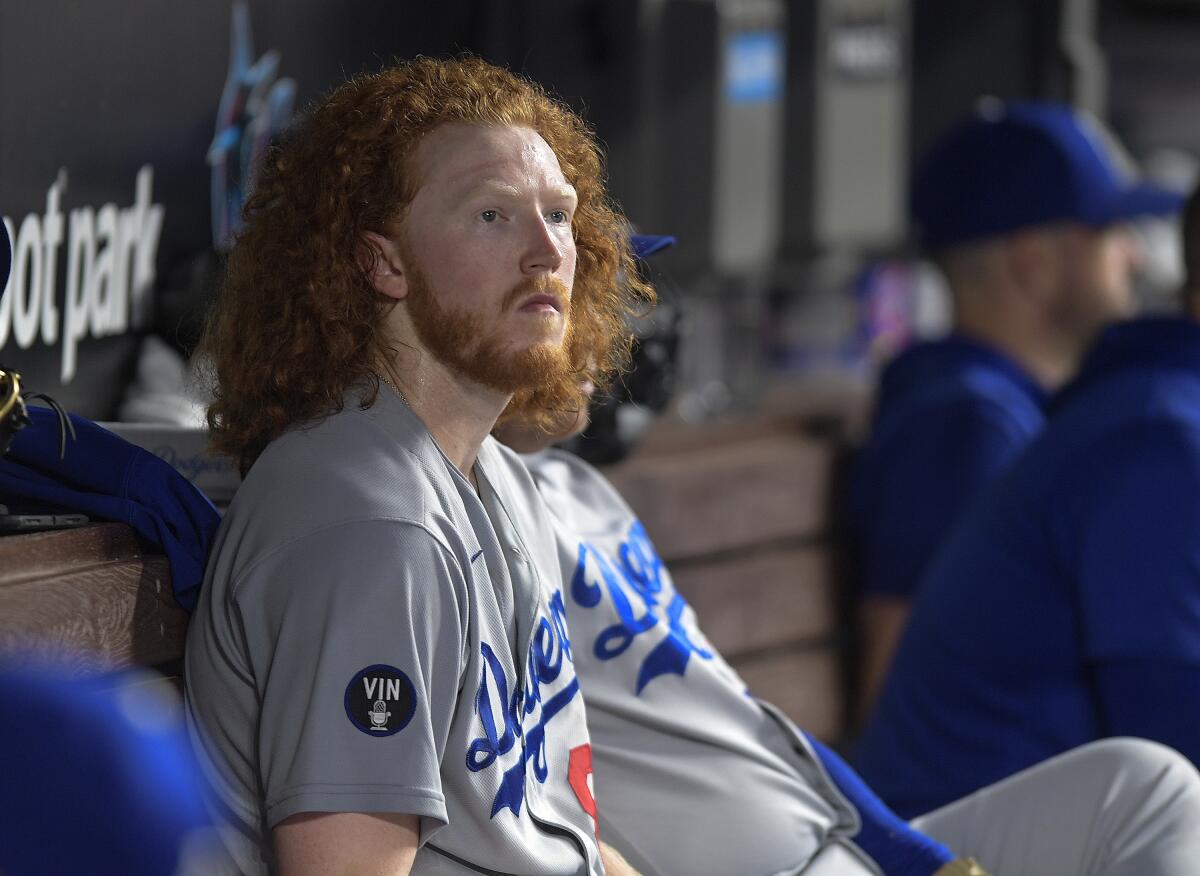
x: 544, y: 250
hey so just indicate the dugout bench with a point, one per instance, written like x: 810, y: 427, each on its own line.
x: 742, y: 512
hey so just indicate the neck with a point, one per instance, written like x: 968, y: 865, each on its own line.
x: 1049, y: 364
x: 1048, y: 357
x: 458, y: 413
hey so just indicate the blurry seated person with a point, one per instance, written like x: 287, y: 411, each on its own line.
x: 98, y: 779
x: 1066, y: 607
x: 694, y: 775
x: 1021, y: 206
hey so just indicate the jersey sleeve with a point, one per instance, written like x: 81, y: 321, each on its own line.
x: 1139, y: 563
x: 356, y: 640
x: 909, y: 490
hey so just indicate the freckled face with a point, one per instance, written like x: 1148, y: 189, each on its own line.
x: 488, y: 240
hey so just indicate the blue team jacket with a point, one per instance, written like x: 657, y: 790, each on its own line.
x: 951, y: 415
x: 108, y: 478
x: 1066, y: 607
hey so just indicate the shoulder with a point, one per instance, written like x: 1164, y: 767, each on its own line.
x: 957, y: 421
x: 357, y: 557
x: 968, y: 397
x: 574, y: 491
x: 561, y: 473
x: 1167, y: 399
x: 1156, y: 410
x: 1096, y: 485
x: 1150, y: 455
x: 351, y: 467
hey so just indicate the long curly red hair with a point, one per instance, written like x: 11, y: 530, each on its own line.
x: 298, y: 322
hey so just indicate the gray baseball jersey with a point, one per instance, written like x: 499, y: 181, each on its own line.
x: 692, y: 774
x: 374, y: 636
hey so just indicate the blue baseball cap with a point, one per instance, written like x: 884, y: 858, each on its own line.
x: 645, y: 245
x: 1016, y: 165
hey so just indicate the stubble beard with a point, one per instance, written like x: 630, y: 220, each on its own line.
x: 466, y: 344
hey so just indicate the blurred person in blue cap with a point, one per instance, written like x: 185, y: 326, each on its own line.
x: 98, y: 778
x: 1066, y: 606
x: 1024, y: 207
x: 694, y: 775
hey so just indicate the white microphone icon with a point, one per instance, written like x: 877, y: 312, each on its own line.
x: 379, y: 715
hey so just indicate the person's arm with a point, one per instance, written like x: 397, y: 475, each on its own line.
x: 349, y: 623
x: 882, y: 619
x: 909, y: 491
x: 614, y: 862
x: 336, y: 843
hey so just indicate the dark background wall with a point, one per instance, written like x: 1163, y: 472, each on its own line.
x: 102, y: 87
x: 1153, y: 52
x: 1005, y: 48
x: 1011, y: 49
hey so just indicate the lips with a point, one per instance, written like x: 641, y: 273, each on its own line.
x: 541, y: 301
x: 538, y: 295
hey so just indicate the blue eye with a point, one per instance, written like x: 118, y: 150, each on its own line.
x: 558, y: 216
x: 489, y: 215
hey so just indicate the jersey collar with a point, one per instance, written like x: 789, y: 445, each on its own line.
x: 1161, y: 343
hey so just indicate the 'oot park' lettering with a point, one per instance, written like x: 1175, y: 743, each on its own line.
x: 110, y: 267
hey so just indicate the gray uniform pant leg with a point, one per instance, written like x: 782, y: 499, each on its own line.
x: 1118, y: 807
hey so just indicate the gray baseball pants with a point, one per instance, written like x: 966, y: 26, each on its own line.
x: 1118, y: 807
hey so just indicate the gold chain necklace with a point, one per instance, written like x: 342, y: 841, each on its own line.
x: 383, y: 376
x: 471, y: 478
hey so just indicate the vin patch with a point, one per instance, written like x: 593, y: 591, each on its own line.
x: 380, y: 700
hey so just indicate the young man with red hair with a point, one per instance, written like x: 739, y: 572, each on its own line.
x: 379, y: 673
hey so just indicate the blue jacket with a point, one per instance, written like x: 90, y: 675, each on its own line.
x: 1067, y: 606
x: 951, y: 415
x: 108, y: 478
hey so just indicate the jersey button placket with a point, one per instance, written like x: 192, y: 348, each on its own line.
x: 522, y: 672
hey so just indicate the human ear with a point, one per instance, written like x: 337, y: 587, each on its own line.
x: 379, y: 257
x: 1034, y: 261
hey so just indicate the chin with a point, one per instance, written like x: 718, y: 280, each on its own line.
x: 539, y: 350
x: 550, y: 334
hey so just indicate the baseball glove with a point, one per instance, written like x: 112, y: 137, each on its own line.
x: 961, y: 867
x: 14, y: 417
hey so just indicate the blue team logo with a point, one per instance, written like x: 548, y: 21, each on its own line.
x: 509, y: 712
x: 380, y: 700
x: 636, y: 586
